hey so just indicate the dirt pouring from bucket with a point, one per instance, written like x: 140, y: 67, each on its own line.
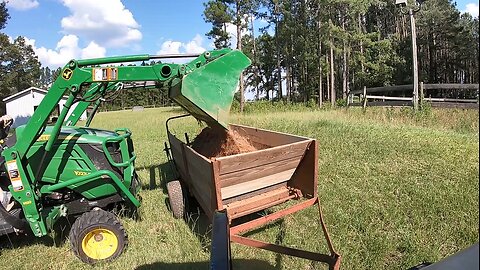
x: 218, y: 142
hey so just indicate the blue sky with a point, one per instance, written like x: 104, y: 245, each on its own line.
x: 60, y: 30
x: 63, y: 29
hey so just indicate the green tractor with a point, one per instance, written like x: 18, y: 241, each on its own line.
x: 63, y: 170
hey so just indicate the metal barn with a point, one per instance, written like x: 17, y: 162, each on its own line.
x: 21, y: 105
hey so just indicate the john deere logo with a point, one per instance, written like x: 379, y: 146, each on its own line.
x: 67, y: 74
x: 78, y: 173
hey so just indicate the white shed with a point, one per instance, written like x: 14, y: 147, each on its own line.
x: 21, y: 105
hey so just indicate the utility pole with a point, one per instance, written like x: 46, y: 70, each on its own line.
x: 411, y: 12
x: 279, y: 62
x: 255, y: 67
x: 239, y: 47
x: 414, y: 59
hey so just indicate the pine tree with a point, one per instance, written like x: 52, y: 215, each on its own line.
x: 23, y: 67
x: 19, y: 66
x: 219, y: 15
x: 4, y: 16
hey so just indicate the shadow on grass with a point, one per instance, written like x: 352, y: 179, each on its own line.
x: 55, y: 239
x: 13, y: 241
x: 238, y: 264
x: 159, y: 175
x: 201, y: 226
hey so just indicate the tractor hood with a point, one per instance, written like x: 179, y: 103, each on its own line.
x: 69, y: 133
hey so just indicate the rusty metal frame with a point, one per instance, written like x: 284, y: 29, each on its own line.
x: 333, y: 260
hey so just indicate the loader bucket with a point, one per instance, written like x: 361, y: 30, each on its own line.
x: 207, y: 92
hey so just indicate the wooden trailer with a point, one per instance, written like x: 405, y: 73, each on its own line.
x: 284, y: 169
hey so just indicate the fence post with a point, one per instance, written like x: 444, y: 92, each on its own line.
x: 421, y: 95
x: 478, y: 96
x: 364, y: 97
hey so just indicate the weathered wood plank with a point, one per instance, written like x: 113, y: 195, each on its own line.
x: 452, y: 100
x: 450, y: 86
x: 200, y: 177
x: 388, y: 103
x: 266, y: 137
x: 241, y: 177
x: 250, y: 174
x: 389, y: 98
x: 253, y: 193
x: 434, y: 104
x: 216, y: 200
x: 427, y: 86
x: 306, y: 175
x: 473, y: 106
x: 176, y: 150
x: 259, y: 183
x: 257, y: 203
x: 258, y: 158
x: 392, y: 88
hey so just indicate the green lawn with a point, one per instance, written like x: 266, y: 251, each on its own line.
x: 396, y: 189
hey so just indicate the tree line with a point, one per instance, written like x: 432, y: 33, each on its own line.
x: 322, y: 49
x: 306, y: 50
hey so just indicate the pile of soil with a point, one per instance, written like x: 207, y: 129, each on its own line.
x: 218, y: 142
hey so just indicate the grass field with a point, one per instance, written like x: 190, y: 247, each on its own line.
x: 396, y: 188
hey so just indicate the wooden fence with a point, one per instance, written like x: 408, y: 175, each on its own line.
x: 365, y: 98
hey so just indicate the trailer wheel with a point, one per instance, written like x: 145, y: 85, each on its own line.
x: 176, y: 197
x: 97, y: 236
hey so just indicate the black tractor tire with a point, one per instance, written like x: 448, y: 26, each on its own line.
x: 90, y: 230
x: 177, y: 198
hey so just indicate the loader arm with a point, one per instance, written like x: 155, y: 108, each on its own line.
x: 204, y: 87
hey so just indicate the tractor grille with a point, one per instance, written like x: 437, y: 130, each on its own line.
x: 97, y: 156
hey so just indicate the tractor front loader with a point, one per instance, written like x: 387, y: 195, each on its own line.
x: 50, y: 172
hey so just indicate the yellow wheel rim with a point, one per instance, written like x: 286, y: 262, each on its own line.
x: 100, y: 244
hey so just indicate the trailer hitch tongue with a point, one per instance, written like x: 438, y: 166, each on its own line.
x: 207, y: 92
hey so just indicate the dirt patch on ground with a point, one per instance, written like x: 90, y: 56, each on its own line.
x: 218, y: 142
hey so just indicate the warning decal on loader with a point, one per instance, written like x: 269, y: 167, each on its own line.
x: 104, y: 74
x: 14, y: 175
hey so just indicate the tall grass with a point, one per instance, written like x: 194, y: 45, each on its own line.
x: 458, y: 120
x: 397, y: 188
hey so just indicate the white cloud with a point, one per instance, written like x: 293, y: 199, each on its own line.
x: 100, y: 24
x: 195, y: 45
x: 67, y: 48
x: 232, y: 32
x: 175, y: 47
x: 108, y: 23
x: 22, y: 4
x: 472, y: 8
x: 93, y: 50
x: 170, y: 47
